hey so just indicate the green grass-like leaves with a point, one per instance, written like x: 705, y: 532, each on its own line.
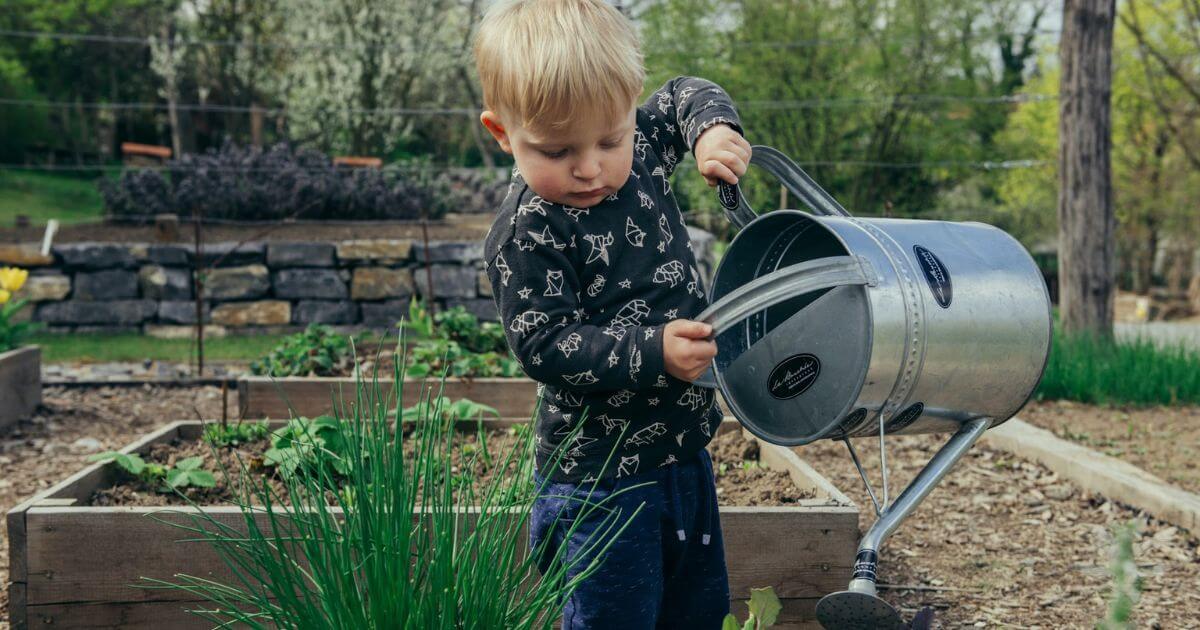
x: 1095, y: 370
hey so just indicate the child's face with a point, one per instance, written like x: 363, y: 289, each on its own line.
x: 578, y: 166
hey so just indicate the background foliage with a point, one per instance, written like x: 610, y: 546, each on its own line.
x: 943, y: 109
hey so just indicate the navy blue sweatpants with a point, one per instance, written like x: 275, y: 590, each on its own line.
x: 665, y: 570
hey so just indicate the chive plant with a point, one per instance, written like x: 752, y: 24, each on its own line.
x: 394, y: 542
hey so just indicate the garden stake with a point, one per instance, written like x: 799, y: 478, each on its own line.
x: 830, y: 326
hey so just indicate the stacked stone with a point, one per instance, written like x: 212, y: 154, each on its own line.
x: 276, y: 287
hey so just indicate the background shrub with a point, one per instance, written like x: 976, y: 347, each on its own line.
x: 245, y: 183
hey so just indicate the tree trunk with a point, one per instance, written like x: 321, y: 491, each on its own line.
x: 1085, y: 214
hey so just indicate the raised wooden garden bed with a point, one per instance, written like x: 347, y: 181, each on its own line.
x: 71, y: 565
x: 20, y: 384
x: 272, y: 397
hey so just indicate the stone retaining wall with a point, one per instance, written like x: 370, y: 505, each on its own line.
x: 260, y: 286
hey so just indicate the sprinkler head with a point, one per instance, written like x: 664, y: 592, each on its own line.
x: 852, y: 610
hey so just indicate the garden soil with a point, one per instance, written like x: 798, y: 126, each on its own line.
x: 999, y: 543
x: 740, y: 479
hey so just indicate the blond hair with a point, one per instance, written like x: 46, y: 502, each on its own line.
x: 546, y: 63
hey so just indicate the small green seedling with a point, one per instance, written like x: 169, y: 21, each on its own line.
x: 185, y: 473
x: 764, y: 611
x: 236, y: 434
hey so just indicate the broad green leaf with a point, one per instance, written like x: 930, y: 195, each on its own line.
x: 176, y: 478
x: 730, y: 623
x: 765, y: 606
x: 202, y: 478
x: 188, y: 463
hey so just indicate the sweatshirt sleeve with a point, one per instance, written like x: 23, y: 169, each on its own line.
x: 537, y: 294
x: 678, y: 112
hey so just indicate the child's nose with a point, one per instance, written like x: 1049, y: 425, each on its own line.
x: 587, y: 169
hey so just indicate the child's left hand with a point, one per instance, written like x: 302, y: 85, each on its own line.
x: 721, y: 154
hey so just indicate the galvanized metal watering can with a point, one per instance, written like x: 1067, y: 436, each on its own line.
x: 830, y: 326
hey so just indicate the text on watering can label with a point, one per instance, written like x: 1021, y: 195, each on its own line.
x: 792, y: 376
x: 936, y: 275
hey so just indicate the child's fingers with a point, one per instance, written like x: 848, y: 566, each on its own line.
x: 693, y: 329
x: 714, y: 169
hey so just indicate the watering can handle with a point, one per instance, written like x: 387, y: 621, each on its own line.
x: 793, y: 178
x: 783, y: 284
x: 778, y: 286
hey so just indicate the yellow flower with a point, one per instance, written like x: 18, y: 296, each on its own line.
x: 4, y: 295
x: 12, y: 279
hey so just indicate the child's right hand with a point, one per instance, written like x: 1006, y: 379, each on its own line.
x: 686, y: 349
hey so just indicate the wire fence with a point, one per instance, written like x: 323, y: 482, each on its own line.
x: 90, y: 168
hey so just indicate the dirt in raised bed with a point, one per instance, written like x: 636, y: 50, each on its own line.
x: 1164, y: 441
x: 741, y: 479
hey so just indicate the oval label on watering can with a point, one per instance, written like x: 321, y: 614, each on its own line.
x: 906, y: 417
x: 936, y: 275
x: 793, y: 376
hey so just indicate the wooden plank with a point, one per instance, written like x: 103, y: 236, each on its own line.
x: 20, y: 384
x: 797, y: 614
x: 123, y: 545
x: 801, y: 552
x: 265, y: 397
x: 1099, y: 473
x: 123, y: 615
x: 794, y: 549
x: 17, y: 609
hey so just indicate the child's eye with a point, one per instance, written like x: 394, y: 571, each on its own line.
x: 555, y: 155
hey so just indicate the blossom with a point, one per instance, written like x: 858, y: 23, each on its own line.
x: 4, y: 295
x: 11, y: 281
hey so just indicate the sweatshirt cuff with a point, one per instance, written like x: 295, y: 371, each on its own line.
x: 708, y: 118
x: 649, y: 346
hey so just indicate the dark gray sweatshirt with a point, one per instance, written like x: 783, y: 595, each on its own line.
x: 584, y: 294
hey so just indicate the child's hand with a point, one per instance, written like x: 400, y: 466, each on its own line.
x: 721, y: 154
x: 686, y: 352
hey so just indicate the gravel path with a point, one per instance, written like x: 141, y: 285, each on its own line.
x: 1000, y: 543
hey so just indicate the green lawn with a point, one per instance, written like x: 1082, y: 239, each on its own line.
x: 44, y: 196
x: 132, y: 347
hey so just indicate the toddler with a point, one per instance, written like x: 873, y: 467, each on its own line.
x: 594, y: 280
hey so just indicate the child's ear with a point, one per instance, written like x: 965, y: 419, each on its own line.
x: 492, y: 122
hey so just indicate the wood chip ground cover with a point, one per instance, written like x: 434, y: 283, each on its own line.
x: 1016, y: 546
x: 1163, y: 441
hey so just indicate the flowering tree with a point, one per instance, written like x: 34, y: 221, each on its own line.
x: 367, y: 56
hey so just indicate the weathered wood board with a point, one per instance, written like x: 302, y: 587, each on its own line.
x: 1099, y: 473
x: 269, y: 397
x: 20, y: 384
